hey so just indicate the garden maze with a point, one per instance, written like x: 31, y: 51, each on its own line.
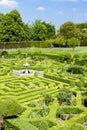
x: 56, y: 101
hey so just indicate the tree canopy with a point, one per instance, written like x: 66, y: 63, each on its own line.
x: 12, y: 28
x: 43, y: 30
x: 81, y: 25
x: 69, y: 30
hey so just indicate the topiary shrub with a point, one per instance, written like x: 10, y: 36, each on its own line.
x: 10, y: 108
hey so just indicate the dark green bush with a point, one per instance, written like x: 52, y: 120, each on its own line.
x: 65, y: 96
x: 10, y: 107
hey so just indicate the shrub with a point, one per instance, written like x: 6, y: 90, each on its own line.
x: 65, y: 96
x: 73, y: 42
x: 10, y: 107
x: 48, y: 99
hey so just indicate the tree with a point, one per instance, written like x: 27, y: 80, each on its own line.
x: 43, y: 30
x: 50, y: 30
x: 1, y: 15
x: 73, y: 42
x: 69, y: 30
x: 12, y: 28
x: 84, y: 37
x: 81, y: 25
x: 84, y: 34
x: 60, y: 41
x: 28, y: 32
x: 39, y: 31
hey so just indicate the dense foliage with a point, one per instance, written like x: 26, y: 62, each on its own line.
x: 12, y: 28
x: 69, y: 30
x: 73, y: 42
x: 65, y: 96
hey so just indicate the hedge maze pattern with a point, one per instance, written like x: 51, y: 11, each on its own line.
x: 30, y: 91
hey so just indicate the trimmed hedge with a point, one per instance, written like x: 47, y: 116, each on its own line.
x: 20, y: 124
x: 10, y: 107
x: 24, y: 44
x: 57, y: 78
x: 69, y: 110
